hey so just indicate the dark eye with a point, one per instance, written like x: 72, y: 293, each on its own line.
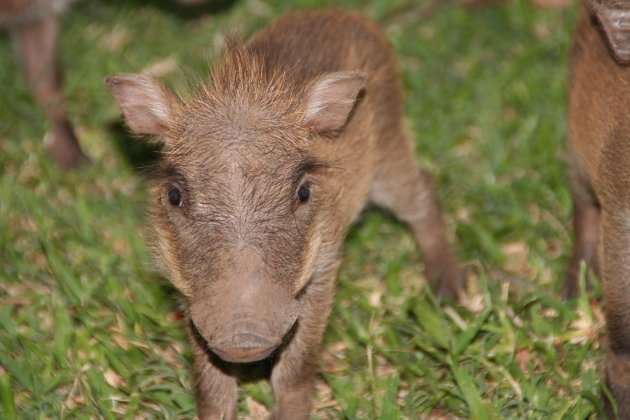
x: 175, y: 197
x: 303, y: 194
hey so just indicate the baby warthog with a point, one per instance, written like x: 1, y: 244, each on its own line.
x: 262, y: 173
x: 599, y: 134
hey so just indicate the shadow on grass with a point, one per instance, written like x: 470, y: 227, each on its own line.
x: 373, y: 216
x: 140, y: 154
x: 183, y: 11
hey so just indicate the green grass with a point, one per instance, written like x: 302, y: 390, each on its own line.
x: 88, y: 329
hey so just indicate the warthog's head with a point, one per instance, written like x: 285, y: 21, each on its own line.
x: 241, y: 190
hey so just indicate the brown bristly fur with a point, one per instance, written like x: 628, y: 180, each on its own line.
x: 263, y: 171
x: 599, y: 141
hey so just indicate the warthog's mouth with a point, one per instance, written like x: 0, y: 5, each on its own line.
x: 244, y: 355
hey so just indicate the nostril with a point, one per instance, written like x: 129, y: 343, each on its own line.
x: 250, y: 328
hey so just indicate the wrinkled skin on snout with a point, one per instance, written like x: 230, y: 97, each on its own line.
x: 248, y: 320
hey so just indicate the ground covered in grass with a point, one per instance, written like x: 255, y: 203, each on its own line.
x: 89, y: 330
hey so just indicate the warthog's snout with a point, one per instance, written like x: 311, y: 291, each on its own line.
x: 240, y: 335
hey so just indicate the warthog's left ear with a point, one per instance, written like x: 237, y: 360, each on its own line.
x: 614, y: 16
x: 330, y: 100
x: 146, y: 105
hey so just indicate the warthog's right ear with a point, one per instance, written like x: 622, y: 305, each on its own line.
x: 614, y: 16
x: 146, y: 105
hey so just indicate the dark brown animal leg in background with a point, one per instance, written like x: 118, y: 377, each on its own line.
x: 407, y: 191
x: 586, y: 227
x: 37, y: 44
x: 216, y: 391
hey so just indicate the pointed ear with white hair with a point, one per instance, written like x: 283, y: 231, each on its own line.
x: 330, y: 100
x: 614, y: 17
x: 147, y: 106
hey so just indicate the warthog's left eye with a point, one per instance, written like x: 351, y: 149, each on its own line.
x: 303, y: 194
x: 175, y: 197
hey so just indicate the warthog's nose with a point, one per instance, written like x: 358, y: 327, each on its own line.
x: 244, y: 348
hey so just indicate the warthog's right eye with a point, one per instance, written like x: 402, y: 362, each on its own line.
x: 303, y: 194
x: 175, y: 197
